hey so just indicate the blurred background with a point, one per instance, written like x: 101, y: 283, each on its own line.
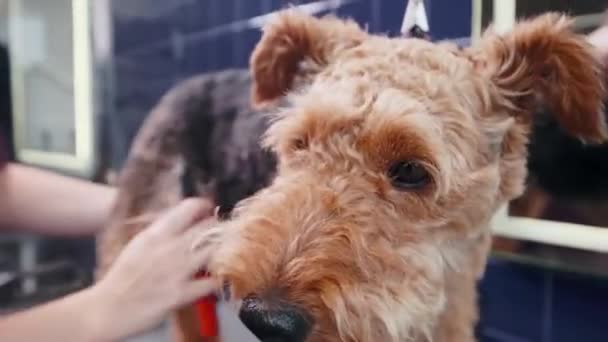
x: 78, y: 77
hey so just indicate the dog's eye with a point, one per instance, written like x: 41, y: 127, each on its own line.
x: 299, y: 144
x: 408, y: 175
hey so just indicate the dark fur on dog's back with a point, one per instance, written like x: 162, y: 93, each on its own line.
x: 220, y: 144
x: 202, y: 138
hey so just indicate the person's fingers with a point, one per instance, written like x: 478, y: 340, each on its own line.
x: 599, y: 39
x: 204, y: 233
x: 198, y: 235
x: 199, y: 260
x: 192, y: 250
x: 182, y: 216
x: 197, y: 289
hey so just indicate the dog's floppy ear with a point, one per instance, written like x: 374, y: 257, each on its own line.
x: 291, y: 39
x: 543, y: 64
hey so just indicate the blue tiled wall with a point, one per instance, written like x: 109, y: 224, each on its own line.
x: 159, y: 42
x: 524, y: 303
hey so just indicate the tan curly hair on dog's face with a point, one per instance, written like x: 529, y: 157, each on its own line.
x: 393, y: 156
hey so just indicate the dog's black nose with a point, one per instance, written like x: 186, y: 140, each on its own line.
x: 274, y: 322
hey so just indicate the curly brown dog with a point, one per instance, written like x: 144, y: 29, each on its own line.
x: 392, y: 157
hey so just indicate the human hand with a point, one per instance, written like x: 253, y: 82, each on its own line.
x: 599, y: 39
x: 154, y: 274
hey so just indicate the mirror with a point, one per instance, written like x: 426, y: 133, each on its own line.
x: 561, y: 221
x: 52, y: 84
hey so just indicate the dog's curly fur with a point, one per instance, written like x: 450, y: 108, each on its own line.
x: 329, y: 233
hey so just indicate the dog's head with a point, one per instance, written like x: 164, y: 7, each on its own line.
x: 393, y: 156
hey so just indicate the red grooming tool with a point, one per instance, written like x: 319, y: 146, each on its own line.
x: 207, y: 315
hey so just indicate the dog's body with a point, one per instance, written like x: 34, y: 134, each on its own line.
x: 391, y: 157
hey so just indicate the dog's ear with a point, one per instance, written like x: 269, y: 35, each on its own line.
x: 291, y: 40
x: 542, y: 64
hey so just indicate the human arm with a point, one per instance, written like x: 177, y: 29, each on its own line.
x: 152, y: 277
x: 44, y: 202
